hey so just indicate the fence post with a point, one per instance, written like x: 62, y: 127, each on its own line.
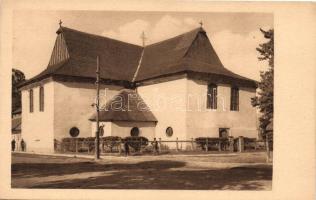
x: 177, y: 144
x: 159, y: 149
x: 192, y: 143
x: 119, y: 146
x: 206, y: 145
x: 76, y: 146
x: 241, y: 143
x: 219, y: 145
x: 141, y: 142
x: 88, y: 145
x: 231, y: 144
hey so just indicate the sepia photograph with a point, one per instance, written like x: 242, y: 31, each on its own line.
x: 142, y: 100
x: 164, y: 99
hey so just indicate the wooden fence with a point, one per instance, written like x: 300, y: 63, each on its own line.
x: 239, y: 144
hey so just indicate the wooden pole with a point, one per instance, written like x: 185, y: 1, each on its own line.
x: 177, y: 145
x: 192, y: 143
x: 206, y: 145
x: 97, y: 135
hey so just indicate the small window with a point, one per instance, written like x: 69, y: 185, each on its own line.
x: 74, y: 132
x: 234, y: 99
x: 169, y: 131
x: 41, y: 99
x: 211, y: 96
x: 223, y: 132
x: 31, y: 100
x: 135, y: 131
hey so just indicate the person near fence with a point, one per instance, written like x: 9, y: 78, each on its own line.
x: 126, y: 148
x: 22, y: 145
x: 13, y: 145
x: 155, y: 146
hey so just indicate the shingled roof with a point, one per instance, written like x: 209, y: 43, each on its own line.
x: 188, y: 52
x: 75, y: 52
x: 126, y: 106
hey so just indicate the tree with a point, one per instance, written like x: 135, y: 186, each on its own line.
x: 264, y: 100
x: 17, y: 78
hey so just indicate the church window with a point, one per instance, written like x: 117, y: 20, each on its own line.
x: 234, y: 99
x: 31, y: 100
x: 41, y: 98
x: 135, y: 131
x: 211, y: 96
x: 169, y: 131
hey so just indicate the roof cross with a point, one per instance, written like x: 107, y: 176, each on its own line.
x: 60, y: 22
x: 201, y: 23
x: 143, y: 37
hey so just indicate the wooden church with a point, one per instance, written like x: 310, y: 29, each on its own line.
x: 176, y: 88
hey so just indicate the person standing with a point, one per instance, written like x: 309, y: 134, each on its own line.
x: 13, y: 145
x: 22, y: 145
x: 155, y: 146
x: 126, y: 148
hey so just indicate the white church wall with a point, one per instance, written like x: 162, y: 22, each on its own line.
x: 202, y: 122
x: 123, y: 129
x: 73, y: 106
x: 167, y: 101
x: 37, y: 128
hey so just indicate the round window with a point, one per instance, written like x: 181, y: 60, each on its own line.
x: 169, y: 131
x: 74, y: 132
x: 135, y: 131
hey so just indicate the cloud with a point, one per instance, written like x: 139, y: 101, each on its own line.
x: 129, y: 32
x: 168, y: 27
x: 238, y: 52
x: 164, y: 28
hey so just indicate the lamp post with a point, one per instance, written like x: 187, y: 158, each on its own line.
x: 97, y: 133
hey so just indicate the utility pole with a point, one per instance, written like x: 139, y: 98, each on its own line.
x: 97, y: 133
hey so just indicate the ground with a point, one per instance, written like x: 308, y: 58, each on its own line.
x: 243, y: 171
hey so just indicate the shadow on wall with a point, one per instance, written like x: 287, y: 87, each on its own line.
x: 160, y: 174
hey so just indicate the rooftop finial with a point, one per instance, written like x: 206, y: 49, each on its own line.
x: 60, y: 22
x: 143, y: 37
x: 201, y: 24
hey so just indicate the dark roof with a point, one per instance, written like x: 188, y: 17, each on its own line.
x: 16, y: 125
x: 75, y: 54
x: 126, y: 106
x: 191, y: 51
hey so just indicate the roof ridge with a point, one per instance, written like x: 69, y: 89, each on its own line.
x: 199, y: 29
x: 138, y: 66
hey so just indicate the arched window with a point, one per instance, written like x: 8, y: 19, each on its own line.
x: 31, y: 100
x: 211, y: 96
x: 234, y: 99
x: 135, y: 131
x: 169, y: 131
x: 41, y: 99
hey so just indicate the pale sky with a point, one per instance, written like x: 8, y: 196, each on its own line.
x: 234, y: 36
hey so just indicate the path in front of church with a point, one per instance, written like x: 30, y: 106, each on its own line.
x: 244, y: 171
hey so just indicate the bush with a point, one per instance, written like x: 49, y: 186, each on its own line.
x: 111, y: 141
x: 136, y: 142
